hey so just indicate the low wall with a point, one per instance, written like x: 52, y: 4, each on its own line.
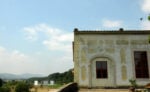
x: 71, y: 87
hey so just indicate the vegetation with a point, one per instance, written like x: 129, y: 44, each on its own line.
x: 1, y: 82
x: 23, y: 87
x: 14, y: 86
x: 55, y: 86
x: 133, y: 83
x: 3, y: 87
x: 62, y: 78
x: 148, y: 17
x: 58, y: 78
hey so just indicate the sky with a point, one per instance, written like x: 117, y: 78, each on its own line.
x: 36, y: 35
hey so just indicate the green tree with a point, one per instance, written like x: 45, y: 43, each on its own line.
x: 22, y: 87
x: 5, y: 89
x: 1, y: 82
x: 148, y: 17
x: 58, y: 78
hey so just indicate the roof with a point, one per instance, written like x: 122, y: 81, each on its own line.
x: 109, y: 32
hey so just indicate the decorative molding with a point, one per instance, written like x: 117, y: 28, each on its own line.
x: 83, y: 73
x: 123, y: 55
x: 124, y: 72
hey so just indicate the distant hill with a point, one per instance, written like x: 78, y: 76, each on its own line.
x: 9, y: 76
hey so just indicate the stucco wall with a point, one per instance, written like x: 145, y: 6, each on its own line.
x: 117, y: 49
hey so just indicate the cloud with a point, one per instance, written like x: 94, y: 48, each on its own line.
x: 57, y: 39
x: 16, y: 62
x: 145, y: 6
x: 59, y: 44
x: 31, y: 34
x: 145, y: 25
x: 111, y: 24
x: 58, y: 59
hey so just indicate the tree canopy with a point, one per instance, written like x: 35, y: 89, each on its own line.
x: 1, y: 82
x: 149, y: 17
x: 22, y: 87
x: 59, y: 78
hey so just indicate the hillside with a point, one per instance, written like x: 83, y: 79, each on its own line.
x: 59, y: 78
x: 8, y: 76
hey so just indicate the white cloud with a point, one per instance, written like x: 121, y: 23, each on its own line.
x: 2, y: 49
x: 61, y: 42
x: 111, y: 24
x: 145, y: 6
x: 145, y: 25
x: 56, y: 39
x: 15, y: 62
x: 31, y: 34
x: 39, y: 62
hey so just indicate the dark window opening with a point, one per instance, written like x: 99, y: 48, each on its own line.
x: 101, y: 69
x: 141, y: 64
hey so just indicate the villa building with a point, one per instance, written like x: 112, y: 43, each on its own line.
x: 111, y: 58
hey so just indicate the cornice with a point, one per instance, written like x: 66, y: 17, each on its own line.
x: 112, y: 32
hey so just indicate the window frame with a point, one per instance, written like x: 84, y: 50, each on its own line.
x: 102, y: 71
x: 141, y: 69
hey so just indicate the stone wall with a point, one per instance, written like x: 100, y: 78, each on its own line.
x: 118, y: 49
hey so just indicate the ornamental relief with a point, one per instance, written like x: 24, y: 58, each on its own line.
x: 76, y: 74
x: 110, y: 50
x: 83, y: 73
x: 101, y: 42
x: 100, y: 49
x: 92, y: 46
x: 76, y: 51
x: 122, y: 42
x: 139, y: 42
x: 100, y: 46
x: 82, y: 41
x: 123, y: 55
x: 124, y: 72
x: 109, y: 42
x: 83, y: 55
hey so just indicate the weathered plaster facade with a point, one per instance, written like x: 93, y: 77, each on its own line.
x: 116, y: 48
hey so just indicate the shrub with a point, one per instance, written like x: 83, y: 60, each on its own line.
x: 5, y: 89
x: 133, y: 83
x: 22, y: 87
x: 1, y: 82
